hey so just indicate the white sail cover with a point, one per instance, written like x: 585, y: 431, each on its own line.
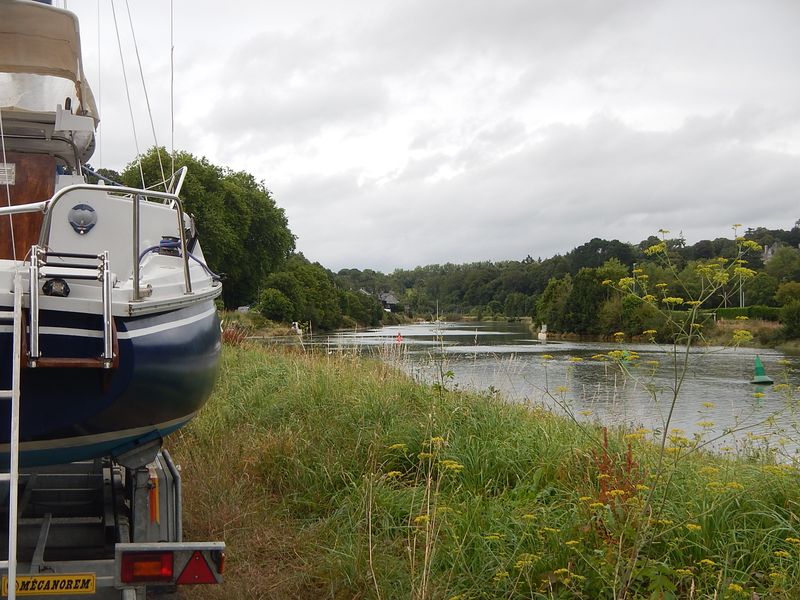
x: 40, y: 59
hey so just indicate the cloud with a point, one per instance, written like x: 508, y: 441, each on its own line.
x: 604, y: 179
x: 426, y: 132
x: 278, y: 88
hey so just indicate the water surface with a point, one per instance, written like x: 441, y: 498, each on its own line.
x: 715, y: 395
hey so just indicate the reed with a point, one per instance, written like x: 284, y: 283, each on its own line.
x: 338, y: 477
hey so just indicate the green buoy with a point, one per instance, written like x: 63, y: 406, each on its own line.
x: 759, y: 376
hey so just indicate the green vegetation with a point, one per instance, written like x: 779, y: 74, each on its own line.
x: 334, y: 476
x: 246, y: 238
x: 567, y: 292
x: 767, y: 313
x: 243, y: 233
x: 307, y: 293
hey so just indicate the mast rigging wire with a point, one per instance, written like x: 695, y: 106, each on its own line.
x: 172, y: 84
x: 99, y: 128
x: 8, y: 189
x: 128, y: 94
x: 146, y: 96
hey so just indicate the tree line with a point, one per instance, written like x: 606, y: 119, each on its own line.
x: 247, y: 239
x: 570, y: 292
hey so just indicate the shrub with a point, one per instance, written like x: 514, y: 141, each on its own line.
x: 274, y: 305
x: 790, y: 318
x: 639, y: 316
x: 234, y: 333
x: 732, y: 312
x: 788, y: 292
x: 610, y: 315
x: 768, y: 313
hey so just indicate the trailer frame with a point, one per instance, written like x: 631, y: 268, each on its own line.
x: 103, y: 529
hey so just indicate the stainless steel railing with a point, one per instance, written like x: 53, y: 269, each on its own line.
x: 136, y: 195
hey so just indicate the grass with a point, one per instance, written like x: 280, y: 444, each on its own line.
x: 338, y: 477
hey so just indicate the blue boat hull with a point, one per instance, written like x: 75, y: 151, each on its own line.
x: 167, y: 366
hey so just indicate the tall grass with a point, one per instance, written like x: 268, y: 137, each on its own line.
x: 338, y: 477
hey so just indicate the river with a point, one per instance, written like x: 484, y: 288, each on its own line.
x: 506, y: 358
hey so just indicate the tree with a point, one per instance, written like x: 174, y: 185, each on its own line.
x: 354, y: 280
x: 583, y: 302
x: 639, y: 316
x: 790, y: 318
x: 761, y: 290
x: 361, y: 307
x: 243, y: 233
x: 110, y: 175
x: 784, y: 264
x: 597, y: 251
x: 609, y: 317
x: 494, y: 307
x: 787, y: 292
x: 518, y: 304
x: 480, y: 284
x: 551, y: 309
x: 726, y: 248
x: 704, y: 249
x: 322, y: 308
x: 417, y: 301
x: 610, y: 272
x: 693, y: 282
x: 288, y: 284
x: 274, y: 305
x: 762, y: 235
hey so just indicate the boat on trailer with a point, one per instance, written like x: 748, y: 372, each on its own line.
x: 109, y: 333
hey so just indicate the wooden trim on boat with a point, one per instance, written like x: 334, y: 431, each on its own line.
x: 55, y: 362
x: 34, y: 180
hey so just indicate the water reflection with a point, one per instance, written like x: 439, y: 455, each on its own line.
x: 506, y: 357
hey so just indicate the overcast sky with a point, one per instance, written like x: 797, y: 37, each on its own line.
x: 410, y: 132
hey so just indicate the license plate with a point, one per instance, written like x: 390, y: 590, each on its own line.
x: 63, y: 583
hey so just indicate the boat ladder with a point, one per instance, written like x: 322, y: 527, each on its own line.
x: 59, y: 270
x: 12, y: 476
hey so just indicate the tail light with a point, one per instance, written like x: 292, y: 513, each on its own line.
x: 147, y: 566
x: 168, y: 563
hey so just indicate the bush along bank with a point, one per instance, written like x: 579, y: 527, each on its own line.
x: 345, y: 479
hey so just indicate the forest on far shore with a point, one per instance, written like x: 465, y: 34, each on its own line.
x: 246, y: 238
x: 571, y: 293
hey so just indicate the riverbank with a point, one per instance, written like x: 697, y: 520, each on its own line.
x: 763, y: 334
x: 338, y: 477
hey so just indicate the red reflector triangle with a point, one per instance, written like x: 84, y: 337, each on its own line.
x: 196, y: 571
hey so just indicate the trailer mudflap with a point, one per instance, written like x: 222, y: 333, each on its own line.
x: 168, y: 563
